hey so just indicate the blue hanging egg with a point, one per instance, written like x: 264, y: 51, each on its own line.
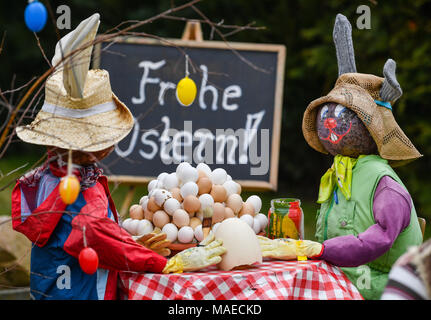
x: 35, y: 16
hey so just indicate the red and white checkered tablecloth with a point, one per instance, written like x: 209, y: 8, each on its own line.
x: 271, y: 280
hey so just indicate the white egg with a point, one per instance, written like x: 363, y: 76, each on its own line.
x: 125, y: 223
x: 133, y: 226
x: 199, y: 235
x: 256, y: 202
x: 162, y: 176
x: 263, y: 220
x: 180, y: 169
x: 215, y: 226
x: 228, y: 178
x: 189, y: 188
x: 256, y: 225
x: 171, y: 205
x: 231, y: 187
x: 161, y: 195
x: 185, y: 234
x: 206, y: 201
x: 189, y: 174
x: 218, y: 176
x: 204, y: 168
x: 143, y: 202
x: 171, y: 181
x: 152, y: 185
x: 144, y: 227
x: 248, y: 219
x: 171, y: 231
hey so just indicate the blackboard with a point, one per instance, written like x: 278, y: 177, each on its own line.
x: 247, y: 81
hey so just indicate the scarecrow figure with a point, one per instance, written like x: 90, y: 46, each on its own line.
x: 367, y: 218
x: 81, y: 113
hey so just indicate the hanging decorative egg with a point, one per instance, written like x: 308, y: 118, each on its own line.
x: 186, y: 91
x: 35, y: 16
x: 88, y: 260
x: 69, y: 189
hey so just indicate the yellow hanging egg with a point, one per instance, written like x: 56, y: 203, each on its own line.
x: 69, y: 189
x: 186, y: 91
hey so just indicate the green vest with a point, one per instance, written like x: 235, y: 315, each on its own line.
x: 356, y: 215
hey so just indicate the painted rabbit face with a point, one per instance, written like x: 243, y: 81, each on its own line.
x: 342, y: 132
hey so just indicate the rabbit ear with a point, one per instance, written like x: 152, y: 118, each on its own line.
x: 75, y: 67
x: 391, y: 89
x: 342, y: 35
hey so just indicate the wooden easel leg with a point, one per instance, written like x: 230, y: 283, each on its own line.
x: 127, y: 201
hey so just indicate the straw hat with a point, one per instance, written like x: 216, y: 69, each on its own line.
x: 80, y: 111
x: 369, y: 96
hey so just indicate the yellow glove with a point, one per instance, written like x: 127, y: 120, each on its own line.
x: 155, y: 241
x: 310, y: 249
x: 195, y: 258
x: 282, y: 249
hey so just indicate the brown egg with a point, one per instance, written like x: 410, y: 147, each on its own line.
x: 228, y: 213
x: 180, y: 218
x: 194, y: 222
x: 191, y: 204
x: 176, y: 194
x: 136, y: 212
x: 234, y: 201
x: 202, y: 174
x: 204, y: 185
x: 160, y: 218
x: 148, y: 215
x: 152, y: 205
x: 239, y: 188
x: 247, y: 208
x: 218, y: 212
x: 218, y: 193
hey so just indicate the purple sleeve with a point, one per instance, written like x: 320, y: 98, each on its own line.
x: 391, y: 208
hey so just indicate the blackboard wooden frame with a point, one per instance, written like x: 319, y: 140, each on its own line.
x: 251, y: 185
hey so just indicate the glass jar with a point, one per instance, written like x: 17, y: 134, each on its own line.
x: 286, y: 219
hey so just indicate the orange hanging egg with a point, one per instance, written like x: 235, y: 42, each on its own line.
x: 69, y: 189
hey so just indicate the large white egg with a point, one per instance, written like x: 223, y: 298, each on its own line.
x: 161, y: 195
x: 144, y: 227
x: 185, y: 234
x: 215, y: 226
x: 189, y: 174
x: 218, y: 176
x: 171, y: 231
x: 206, y: 201
x: 204, y: 168
x: 247, y: 219
x: 152, y: 184
x: 162, y: 176
x: 171, y: 181
x: 256, y: 225
x: 189, y: 188
x: 171, y: 205
x: 199, y: 235
x: 180, y: 169
x: 231, y: 187
x: 263, y: 220
x: 256, y: 202
x: 143, y: 202
x: 228, y: 178
x: 133, y: 226
x: 240, y: 242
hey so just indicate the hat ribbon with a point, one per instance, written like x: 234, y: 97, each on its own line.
x: 78, y: 113
x: 385, y: 104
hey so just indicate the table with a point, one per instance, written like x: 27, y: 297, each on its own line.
x: 271, y: 280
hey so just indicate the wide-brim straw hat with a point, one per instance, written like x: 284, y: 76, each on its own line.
x: 80, y: 111
x: 94, y: 122
x: 359, y: 93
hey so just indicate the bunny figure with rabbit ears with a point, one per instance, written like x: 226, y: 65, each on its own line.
x: 367, y: 218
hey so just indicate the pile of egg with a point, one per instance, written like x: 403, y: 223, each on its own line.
x: 175, y: 204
